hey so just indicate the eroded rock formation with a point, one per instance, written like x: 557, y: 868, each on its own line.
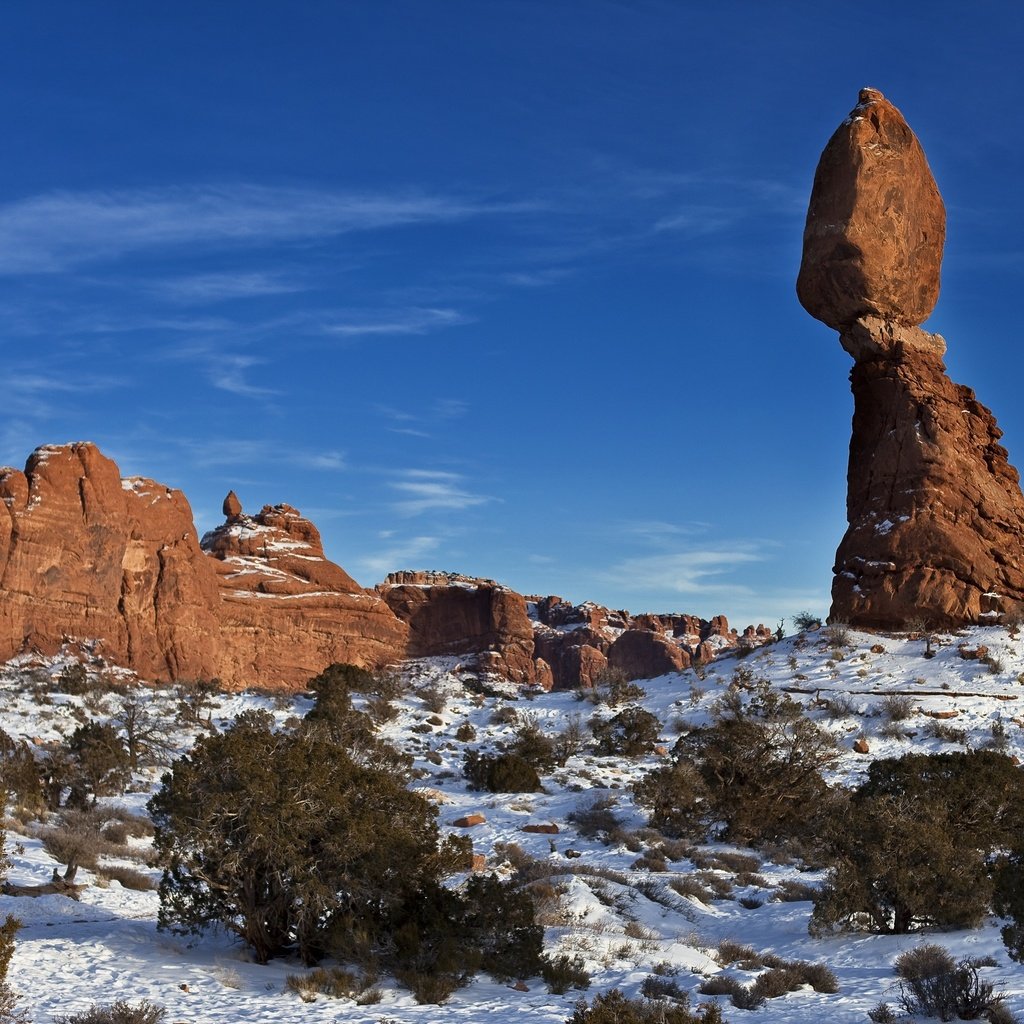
x: 87, y: 555
x: 935, y: 510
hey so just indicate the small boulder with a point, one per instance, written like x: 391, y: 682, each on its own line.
x: 469, y: 820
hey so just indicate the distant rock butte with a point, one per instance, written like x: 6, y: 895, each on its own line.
x: 85, y: 554
x: 935, y: 510
x: 116, y: 565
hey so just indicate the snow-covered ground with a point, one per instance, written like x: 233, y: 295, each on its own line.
x: 625, y: 921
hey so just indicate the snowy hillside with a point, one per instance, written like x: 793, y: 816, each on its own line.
x: 602, y: 901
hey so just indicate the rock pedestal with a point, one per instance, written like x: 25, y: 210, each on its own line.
x: 935, y: 510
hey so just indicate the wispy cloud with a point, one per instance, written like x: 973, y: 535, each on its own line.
x: 431, y: 491
x: 198, y: 289
x: 228, y: 374
x: 403, y: 554
x: 416, y: 320
x: 248, y: 452
x: 696, y: 571
x: 58, y: 230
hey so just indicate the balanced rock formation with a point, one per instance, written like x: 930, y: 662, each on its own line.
x: 86, y: 555
x: 936, y: 514
x: 875, y: 225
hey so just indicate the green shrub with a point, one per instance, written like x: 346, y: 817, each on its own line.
x: 757, y: 767
x: 251, y: 839
x: 631, y: 732
x: 563, y: 972
x: 912, y: 847
x: 500, y: 773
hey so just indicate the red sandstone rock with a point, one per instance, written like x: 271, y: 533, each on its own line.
x: 860, y: 746
x: 232, y: 507
x: 935, y: 510
x: 642, y: 654
x: 875, y: 224
x: 450, y: 614
x: 86, y: 554
x: 547, y: 830
x: 469, y: 820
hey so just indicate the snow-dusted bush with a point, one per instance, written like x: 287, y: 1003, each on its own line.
x: 912, y: 846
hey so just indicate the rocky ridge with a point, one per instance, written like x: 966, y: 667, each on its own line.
x: 86, y: 555
x: 936, y: 514
x: 116, y: 568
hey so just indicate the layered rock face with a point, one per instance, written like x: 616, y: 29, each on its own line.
x: 85, y: 554
x: 286, y: 611
x: 448, y: 613
x: 935, y: 510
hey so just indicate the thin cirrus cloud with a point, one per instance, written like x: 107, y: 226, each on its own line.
x: 228, y: 374
x: 402, y: 554
x: 416, y: 320
x: 684, y: 572
x: 59, y: 230
x: 243, y: 452
x: 432, y: 491
x: 199, y: 289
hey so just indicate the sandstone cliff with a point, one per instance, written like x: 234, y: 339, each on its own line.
x: 935, y: 510
x: 85, y: 554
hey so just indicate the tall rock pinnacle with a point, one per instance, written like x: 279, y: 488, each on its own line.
x: 935, y: 510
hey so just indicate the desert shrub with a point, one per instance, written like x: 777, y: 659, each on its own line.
x: 758, y: 769
x: 613, y: 687
x: 946, y: 732
x: 119, y: 1012
x: 570, y: 741
x: 661, y: 987
x: 596, y: 819
x: 251, y: 839
x: 77, y: 842
x: 805, y: 621
x: 74, y: 680
x: 534, y: 746
x: 101, y: 765
x: 912, y: 846
x: 631, y: 732
x: 145, y: 733
x: 465, y: 732
x: 954, y: 992
x: 881, y: 1013
x: 677, y: 798
x: 730, y: 952
x: 614, y: 1008
x: 21, y: 778
x: 130, y: 878
x: 837, y: 635
x: 691, y: 887
x: 381, y: 709
x: 334, y: 982
x: 500, y: 773
x: 563, y: 972
x: 897, y: 707
x: 196, y: 701
x: 839, y: 705
x: 435, y: 700
x: 791, y: 890
x: 924, y: 961
x: 430, y: 987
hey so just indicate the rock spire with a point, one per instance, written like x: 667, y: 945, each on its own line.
x: 936, y: 514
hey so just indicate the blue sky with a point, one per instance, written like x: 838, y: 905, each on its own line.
x: 499, y: 287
